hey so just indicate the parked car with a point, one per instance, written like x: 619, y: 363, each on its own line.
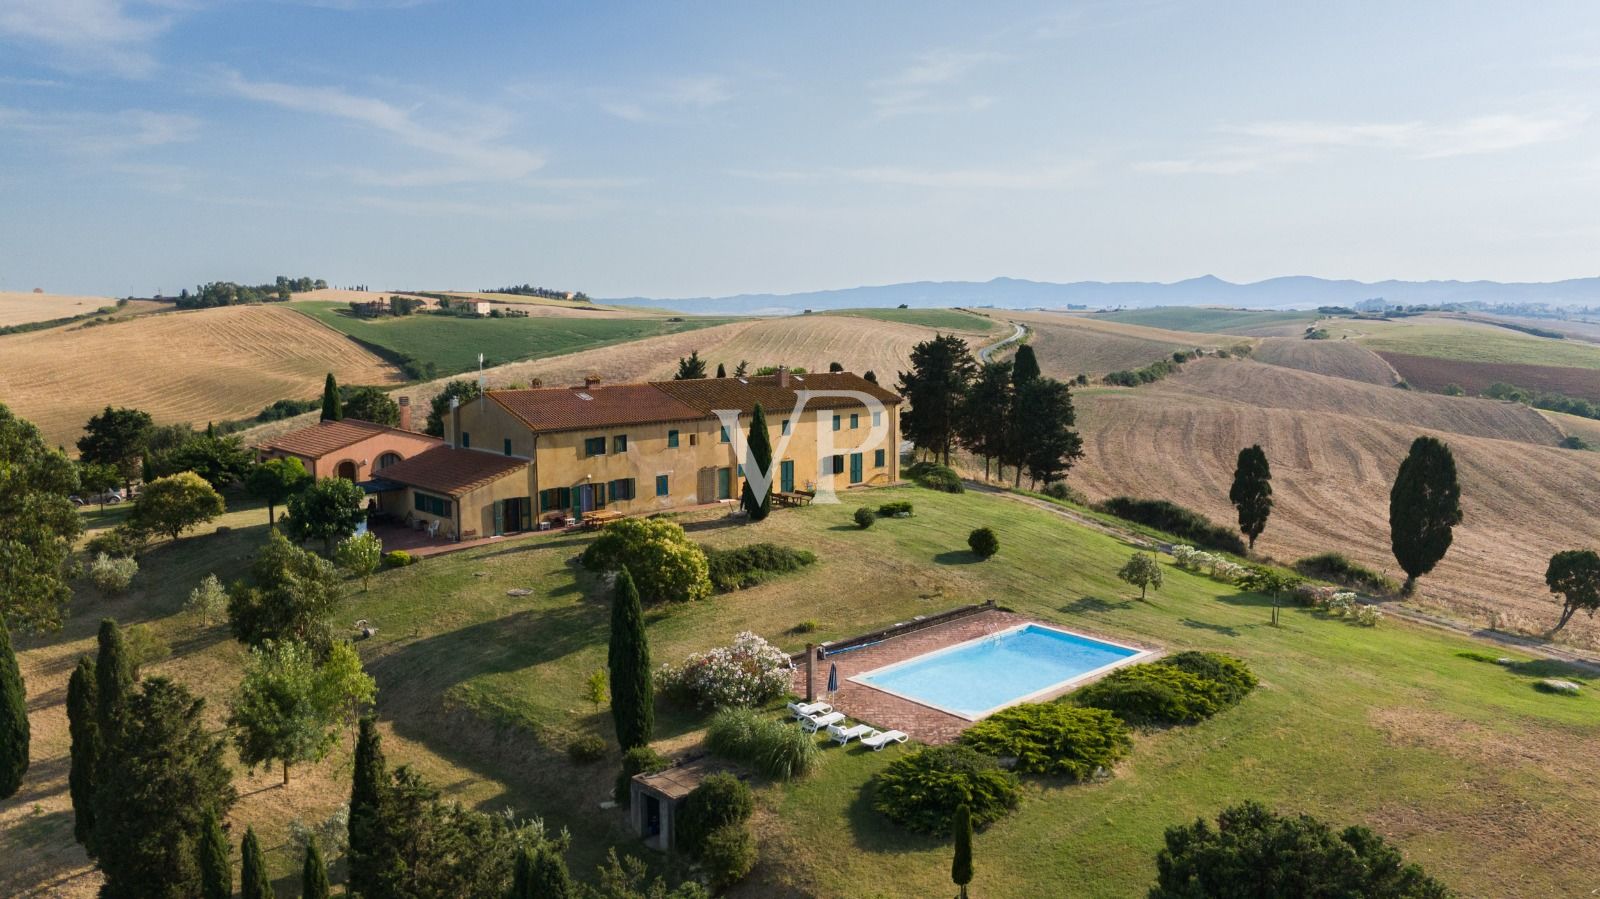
x: 109, y: 498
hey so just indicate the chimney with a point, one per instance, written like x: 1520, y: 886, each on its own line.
x: 783, y: 376
x: 455, y: 422
x: 591, y: 381
x: 405, y: 413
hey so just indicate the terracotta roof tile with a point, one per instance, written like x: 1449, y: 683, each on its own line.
x: 326, y: 436
x: 709, y: 394
x: 451, y: 471
x: 572, y: 408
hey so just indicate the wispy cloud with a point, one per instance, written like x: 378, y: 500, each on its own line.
x: 932, y: 83
x: 495, y: 210
x: 101, y: 35
x: 1058, y: 176
x: 672, y: 99
x: 1270, y: 145
x: 100, y: 134
x: 472, y: 150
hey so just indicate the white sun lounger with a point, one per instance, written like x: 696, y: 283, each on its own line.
x: 807, y: 709
x: 815, y: 723
x: 878, y: 741
x: 843, y: 735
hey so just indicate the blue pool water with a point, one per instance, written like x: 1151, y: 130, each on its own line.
x: 972, y: 679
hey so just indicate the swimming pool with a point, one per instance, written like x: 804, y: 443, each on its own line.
x: 979, y: 677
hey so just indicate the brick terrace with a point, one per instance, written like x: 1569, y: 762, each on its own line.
x: 884, y: 711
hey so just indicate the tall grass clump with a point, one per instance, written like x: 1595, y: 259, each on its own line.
x: 771, y: 747
x: 1175, y: 520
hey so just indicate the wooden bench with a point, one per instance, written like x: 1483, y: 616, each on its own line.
x: 601, y: 518
x: 798, y: 498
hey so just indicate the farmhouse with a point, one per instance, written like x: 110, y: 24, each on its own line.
x: 513, y: 460
x: 351, y: 449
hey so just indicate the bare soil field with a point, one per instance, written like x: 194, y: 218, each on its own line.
x: 1432, y: 373
x: 205, y: 365
x: 1068, y: 345
x: 1335, y: 358
x: 1587, y: 428
x: 19, y: 308
x: 1332, y: 471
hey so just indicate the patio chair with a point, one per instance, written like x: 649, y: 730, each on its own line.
x: 433, y: 529
x: 843, y: 735
x: 880, y: 740
x: 807, y: 709
x: 814, y: 723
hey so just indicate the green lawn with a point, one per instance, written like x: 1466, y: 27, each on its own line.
x: 1475, y: 774
x: 1481, y: 343
x: 1207, y: 321
x: 453, y: 344
x: 944, y: 319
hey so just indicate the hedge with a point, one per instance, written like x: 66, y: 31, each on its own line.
x: 747, y: 566
x: 1175, y: 520
x: 1053, y: 738
x: 1184, y: 689
x: 921, y: 791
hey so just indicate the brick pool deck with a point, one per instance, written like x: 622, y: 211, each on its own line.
x: 885, y: 711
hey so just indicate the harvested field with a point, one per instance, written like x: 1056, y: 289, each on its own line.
x: 18, y: 308
x: 205, y: 365
x: 1334, y: 358
x: 1068, y: 345
x: 1468, y: 341
x: 1331, y: 477
x: 944, y: 319
x: 1587, y: 428
x: 1206, y: 319
x: 1432, y: 373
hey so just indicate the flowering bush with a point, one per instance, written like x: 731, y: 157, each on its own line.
x: 112, y: 575
x: 750, y: 672
x: 1183, y: 555
x: 1223, y: 570
x: 1314, y: 595
x: 1368, y: 616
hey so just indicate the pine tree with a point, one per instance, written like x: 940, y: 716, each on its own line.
x: 758, y: 458
x: 961, y: 868
x: 1251, y: 493
x: 1026, y: 365
x: 632, y: 698
x: 1043, y: 439
x: 940, y: 371
x: 159, y: 779
x: 253, y: 880
x: 1424, y: 508
x: 13, y: 719
x: 690, y: 368
x: 216, y: 867
x: 314, y: 874
x: 550, y: 879
x: 332, y: 406
x: 368, y: 797
x: 84, y: 727
x: 985, y: 414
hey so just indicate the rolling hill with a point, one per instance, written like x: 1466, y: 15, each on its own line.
x: 1068, y: 344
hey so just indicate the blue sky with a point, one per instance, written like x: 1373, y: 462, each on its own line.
x: 679, y: 149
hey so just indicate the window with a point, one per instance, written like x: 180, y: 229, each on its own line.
x: 619, y: 443
x: 662, y: 488
x: 466, y: 440
x: 877, y: 458
x: 694, y: 439
x: 594, y: 446
x: 877, y: 418
x: 672, y: 439
x: 836, y: 465
x: 724, y: 433
x: 836, y: 422
x: 621, y: 488
x: 432, y: 505
x: 555, y: 498
x: 508, y: 446
x: 786, y: 426
x: 855, y: 420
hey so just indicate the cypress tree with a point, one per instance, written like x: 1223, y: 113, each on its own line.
x: 721, y: 371
x: 632, y: 698
x: 253, y: 880
x: 332, y: 406
x: 961, y: 868
x: 1025, y: 367
x: 314, y: 875
x: 522, y: 876
x: 1251, y: 493
x: 13, y: 719
x: 113, y: 679
x: 216, y: 868
x: 550, y: 879
x: 368, y: 797
x: 758, y: 457
x: 84, y: 726
x: 1424, y: 508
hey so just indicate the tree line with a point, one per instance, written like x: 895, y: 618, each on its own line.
x: 229, y: 293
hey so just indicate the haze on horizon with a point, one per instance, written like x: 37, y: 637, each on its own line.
x: 692, y: 150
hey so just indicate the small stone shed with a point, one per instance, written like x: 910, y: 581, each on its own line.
x: 654, y: 798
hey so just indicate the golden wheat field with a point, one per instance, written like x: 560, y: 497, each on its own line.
x: 1335, y: 358
x: 1068, y: 345
x: 205, y: 365
x: 1334, y: 453
x: 19, y: 308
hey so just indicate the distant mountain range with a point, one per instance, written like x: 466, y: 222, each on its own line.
x: 1292, y: 292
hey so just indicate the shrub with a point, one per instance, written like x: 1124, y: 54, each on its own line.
x: 1175, y: 520
x: 1316, y: 596
x: 144, y: 646
x: 638, y: 760
x: 921, y: 790
x: 720, y: 800
x: 1368, y: 615
x: 208, y: 602
x: 728, y: 854
x: 587, y: 749
x: 121, y: 542
x: 749, y: 672
x: 935, y: 477
x: 805, y: 627
x: 1341, y: 570
x: 112, y: 575
x: 664, y: 564
x: 899, y: 507
x: 1053, y: 738
x: 1236, y: 679
x: 1060, y: 490
x: 1185, y: 689
x: 772, y: 747
x: 983, y: 542
x: 864, y: 518
x: 747, y: 566
x: 397, y: 559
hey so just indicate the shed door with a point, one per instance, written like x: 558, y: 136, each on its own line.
x: 706, y: 485
x: 786, y: 476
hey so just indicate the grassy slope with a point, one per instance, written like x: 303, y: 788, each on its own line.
x: 1385, y: 726
x: 454, y: 343
x: 1481, y: 343
x: 943, y: 319
x: 1217, y: 321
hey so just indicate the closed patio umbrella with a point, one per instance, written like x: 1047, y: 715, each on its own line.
x: 833, y: 677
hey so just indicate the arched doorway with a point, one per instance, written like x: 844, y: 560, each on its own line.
x: 386, y: 460
x: 346, y: 470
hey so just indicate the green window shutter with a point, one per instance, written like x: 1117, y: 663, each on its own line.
x: 508, y: 446
x: 836, y: 420
x: 855, y: 421
x: 672, y: 439
x: 466, y: 440
x: 877, y: 459
x: 662, y: 485
x: 786, y: 426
